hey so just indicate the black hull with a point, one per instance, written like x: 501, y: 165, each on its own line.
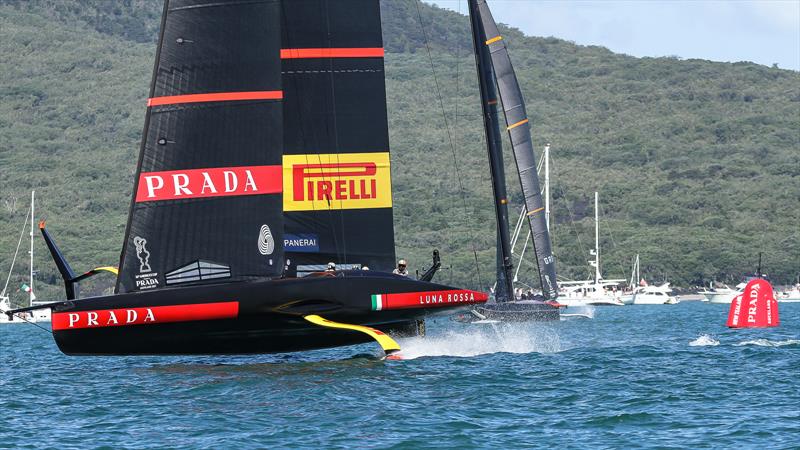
x: 269, y: 318
x: 516, y: 311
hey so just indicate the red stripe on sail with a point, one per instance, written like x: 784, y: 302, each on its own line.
x: 215, y: 97
x: 148, y: 315
x: 307, y: 53
x: 211, y: 182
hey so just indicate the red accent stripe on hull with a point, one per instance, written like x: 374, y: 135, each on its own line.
x: 144, y: 316
x: 308, y: 53
x: 211, y: 182
x: 215, y: 97
x: 432, y: 299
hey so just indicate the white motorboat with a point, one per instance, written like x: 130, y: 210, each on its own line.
x: 590, y: 293
x: 790, y: 296
x: 654, y: 295
x: 724, y: 294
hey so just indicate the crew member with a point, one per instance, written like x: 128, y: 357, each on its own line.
x: 401, y: 268
x: 331, y: 267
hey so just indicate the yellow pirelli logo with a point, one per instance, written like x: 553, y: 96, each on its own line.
x: 337, y: 181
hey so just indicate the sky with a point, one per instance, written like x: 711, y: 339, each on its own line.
x: 762, y: 31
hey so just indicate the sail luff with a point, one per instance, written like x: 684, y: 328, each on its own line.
x: 143, y: 143
x: 519, y: 133
x: 494, y: 145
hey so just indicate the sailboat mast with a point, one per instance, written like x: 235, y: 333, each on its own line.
x: 505, y: 286
x: 30, y: 293
x: 597, y: 275
x: 547, y: 185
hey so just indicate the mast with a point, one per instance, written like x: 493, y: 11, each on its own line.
x: 520, y: 136
x: 30, y: 294
x: 505, y: 284
x: 638, y: 274
x: 597, y: 275
x: 547, y: 185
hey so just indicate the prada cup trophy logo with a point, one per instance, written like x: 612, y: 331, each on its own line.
x: 266, y: 243
x: 142, y: 254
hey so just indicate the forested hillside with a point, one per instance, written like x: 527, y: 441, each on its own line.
x: 697, y: 162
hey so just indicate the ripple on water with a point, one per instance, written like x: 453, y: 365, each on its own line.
x: 623, y: 379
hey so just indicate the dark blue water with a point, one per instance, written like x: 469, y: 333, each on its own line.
x: 637, y: 376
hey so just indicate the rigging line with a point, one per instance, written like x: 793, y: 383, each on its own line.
x: 19, y: 316
x: 335, y: 134
x: 305, y: 140
x: 569, y: 211
x: 13, y: 260
x: 450, y: 138
x: 621, y: 264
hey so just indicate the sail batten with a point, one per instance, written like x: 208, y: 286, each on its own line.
x: 214, y: 97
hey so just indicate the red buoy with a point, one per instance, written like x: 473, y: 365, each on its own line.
x: 756, y: 307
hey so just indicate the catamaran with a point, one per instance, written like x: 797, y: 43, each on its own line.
x: 265, y: 154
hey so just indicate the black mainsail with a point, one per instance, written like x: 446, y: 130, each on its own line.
x: 504, y: 289
x: 520, y: 136
x: 207, y: 196
x: 337, y: 180
x: 266, y: 127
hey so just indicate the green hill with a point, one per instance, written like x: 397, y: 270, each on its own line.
x: 697, y: 162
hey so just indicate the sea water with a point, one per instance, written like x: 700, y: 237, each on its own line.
x: 669, y: 376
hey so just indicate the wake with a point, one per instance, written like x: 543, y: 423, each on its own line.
x: 768, y: 343
x: 578, y: 312
x: 704, y: 341
x: 708, y: 340
x: 484, y: 338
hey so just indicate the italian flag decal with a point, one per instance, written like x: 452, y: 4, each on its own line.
x: 377, y: 302
x: 427, y: 299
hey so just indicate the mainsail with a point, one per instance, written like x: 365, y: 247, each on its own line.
x: 207, y: 201
x: 504, y: 289
x: 520, y: 136
x: 336, y: 171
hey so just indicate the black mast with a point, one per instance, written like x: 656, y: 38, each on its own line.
x: 505, y: 287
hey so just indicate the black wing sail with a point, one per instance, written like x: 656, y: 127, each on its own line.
x: 336, y: 179
x: 207, y: 203
x: 504, y: 289
x: 520, y: 136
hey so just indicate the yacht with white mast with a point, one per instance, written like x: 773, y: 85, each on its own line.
x: 5, y: 300
x: 633, y: 284
x: 597, y: 292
